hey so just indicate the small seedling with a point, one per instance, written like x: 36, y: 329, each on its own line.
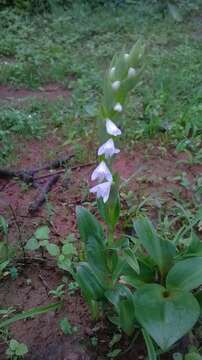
x: 58, y: 292
x: 67, y: 327
x: 16, y: 350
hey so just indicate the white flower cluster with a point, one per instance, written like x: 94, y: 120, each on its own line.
x: 102, y: 172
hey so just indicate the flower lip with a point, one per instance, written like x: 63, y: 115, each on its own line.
x: 101, y: 173
x: 111, y: 128
x: 102, y: 190
x: 118, y: 107
x: 116, y: 85
x: 108, y: 149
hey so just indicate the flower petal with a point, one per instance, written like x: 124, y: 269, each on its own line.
x: 108, y: 149
x: 101, y: 173
x: 112, y: 129
x: 102, y: 190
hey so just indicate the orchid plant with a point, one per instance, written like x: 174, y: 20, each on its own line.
x: 143, y: 283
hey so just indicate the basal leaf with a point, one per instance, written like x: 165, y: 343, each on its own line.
x: 166, y: 315
x: 185, y: 274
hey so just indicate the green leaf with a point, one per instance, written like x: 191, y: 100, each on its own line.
x: 127, y: 313
x: 131, y: 260
x: 166, y: 315
x: 174, y: 12
x: 96, y: 256
x: 110, y: 211
x: 161, y: 251
x: 114, y: 353
x: 42, y: 233
x: 53, y: 249
x: 3, y: 225
x: 43, y: 243
x: 4, y: 252
x: 150, y: 346
x: 68, y: 249
x: 136, y: 53
x: 88, y: 225
x: 185, y: 274
x: 32, y: 244
x: 193, y: 356
x: 21, y: 349
x: 29, y: 313
x: 89, y: 283
x: 65, y: 326
x: 3, y: 265
x: 116, y: 338
x: 198, y: 297
x: 118, y: 292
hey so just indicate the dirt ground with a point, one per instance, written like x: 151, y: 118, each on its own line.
x: 49, y: 92
x: 156, y: 168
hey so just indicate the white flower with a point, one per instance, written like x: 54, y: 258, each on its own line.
x: 112, y: 129
x: 108, y: 149
x: 102, y: 190
x: 101, y: 173
x: 118, y: 107
x: 126, y: 56
x: 116, y: 85
x: 131, y: 72
x: 112, y: 71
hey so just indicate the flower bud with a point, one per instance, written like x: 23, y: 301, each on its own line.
x: 131, y: 72
x: 118, y: 107
x: 116, y: 85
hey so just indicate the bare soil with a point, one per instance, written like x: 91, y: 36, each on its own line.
x: 49, y: 92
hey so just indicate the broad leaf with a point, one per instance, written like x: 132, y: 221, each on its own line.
x: 122, y: 299
x: 131, y: 260
x: 64, y: 263
x: 90, y: 285
x: 161, y: 251
x: 166, y: 315
x: 88, y: 225
x: 32, y: 244
x: 68, y: 249
x: 96, y: 255
x: 132, y: 278
x: 42, y: 233
x: 127, y: 313
x: 53, y: 249
x: 185, y: 274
